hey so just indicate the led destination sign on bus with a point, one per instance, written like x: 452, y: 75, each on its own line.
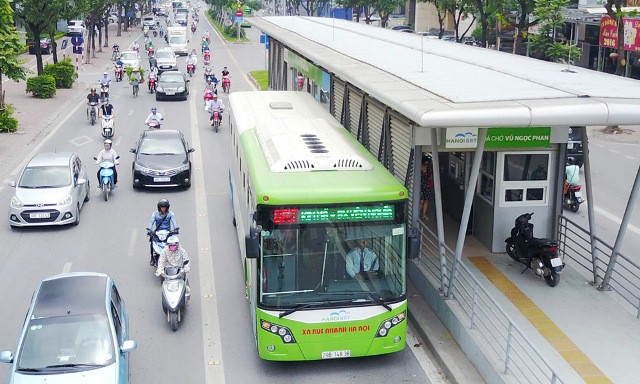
x: 332, y: 214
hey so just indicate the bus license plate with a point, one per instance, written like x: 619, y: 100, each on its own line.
x: 556, y: 262
x: 43, y: 215
x: 161, y: 179
x: 336, y: 354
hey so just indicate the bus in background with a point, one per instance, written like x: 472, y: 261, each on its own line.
x: 322, y: 232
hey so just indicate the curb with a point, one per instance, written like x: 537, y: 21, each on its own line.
x: 253, y: 81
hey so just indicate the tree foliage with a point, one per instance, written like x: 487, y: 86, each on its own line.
x: 547, y: 43
x: 10, y: 47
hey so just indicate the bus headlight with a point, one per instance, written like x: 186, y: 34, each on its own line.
x: 284, y: 332
x: 385, y: 326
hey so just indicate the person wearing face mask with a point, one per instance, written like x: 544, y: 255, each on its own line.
x: 173, y: 255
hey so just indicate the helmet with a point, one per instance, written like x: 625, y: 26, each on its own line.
x: 173, y: 242
x: 154, y: 109
x: 93, y: 89
x: 105, y: 73
x: 108, y: 142
x: 163, y: 203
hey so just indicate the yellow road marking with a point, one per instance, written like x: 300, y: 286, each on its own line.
x: 547, y: 328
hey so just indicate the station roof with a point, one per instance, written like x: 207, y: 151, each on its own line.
x: 456, y: 85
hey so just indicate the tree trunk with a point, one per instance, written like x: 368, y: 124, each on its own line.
x: 36, y: 47
x: 1, y: 93
x: 106, y: 30
x: 621, y: 51
x: 119, y: 33
x: 54, y: 47
x: 99, y: 37
x: 88, y: 51
x: 126, y: 17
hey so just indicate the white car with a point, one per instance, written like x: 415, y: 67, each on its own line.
x: 149, y: 21
x: 166, y: 58
x: 130, y: 59
x: 75, y: 27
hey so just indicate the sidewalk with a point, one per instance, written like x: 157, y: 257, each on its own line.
x: 38, y: 117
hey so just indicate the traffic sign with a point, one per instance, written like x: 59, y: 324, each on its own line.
x: 77, y: 50
x: 239, y: 19
x: 76, y: 40
x: 239, y: 13
x: 247, y: 10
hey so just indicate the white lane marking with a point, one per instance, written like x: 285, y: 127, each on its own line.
x: 213, y: 364
x: 67, y: 267
x: 614, y: 151
x: 81, y: 140
x: 434, y: 373
x: 118, y: 140
x: 132, y: 243
x: 629, y: 157
x: 615, y: 219
x: 40, y: 144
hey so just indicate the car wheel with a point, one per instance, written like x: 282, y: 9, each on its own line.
x: 75, y: 223
x: 88, y: 196
x: 157, y: 97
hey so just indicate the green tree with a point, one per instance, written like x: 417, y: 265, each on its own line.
x: 384, y: 8
x: 10, y: 46
x: 483, y: 11
x: 457, y: 9
x: 547, y: 44
x: 441, y: 12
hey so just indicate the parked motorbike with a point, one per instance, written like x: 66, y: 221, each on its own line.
x: 152, y: 84
x: 226, y: 83
x: 118, y: 72
x: 106, y: 177
x: 573, y: 198
x: 191, y: 68
x: 174, y: 295
x: 92, y: 112
x: 107, y: 126
x: 539, y: 255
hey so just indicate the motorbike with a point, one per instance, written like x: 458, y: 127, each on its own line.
x: 153, y: 125
x: 208, y: 38
x: 207, y: 55
x: 155, y: 33
x: 215, y: 119
x: 106, y: 177
x: 208, y: 95
x: 107, y: 126
x: 193, y: 29
x: 162, y: 33
x: 174, y: 295
x: 118, y: 72
x: 151, y: 51
x: 92, y: 113
x: 191, y: 68
x: 158, y: 240
x: 573, y: 198
x: 115, y: 53
x: 104, y: 91
x: 152, y: 84
x: 538, y: 254
x: 226, y: 83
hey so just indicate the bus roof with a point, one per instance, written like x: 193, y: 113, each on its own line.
x: 273, y: 126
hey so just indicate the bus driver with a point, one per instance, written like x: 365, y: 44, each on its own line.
x: 361, y: 259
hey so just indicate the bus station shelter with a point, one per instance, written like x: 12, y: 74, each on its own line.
x: 494, y: 124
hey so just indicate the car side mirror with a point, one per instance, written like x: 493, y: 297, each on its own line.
x: 251, y: 242
x: 12, y: 183
x: 191, y: 150
x: 128, y: 346
x: 6, y: 357
x: 132, y: 150
x: 81, y: 181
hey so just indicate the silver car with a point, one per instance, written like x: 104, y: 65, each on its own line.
x: 50, y: 191
x: 130, y: 59
x: 76, y: 331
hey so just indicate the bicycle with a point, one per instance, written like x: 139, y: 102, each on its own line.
x: 136, y: 88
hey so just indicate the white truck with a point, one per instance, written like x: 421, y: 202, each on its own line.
x: 177, y: 38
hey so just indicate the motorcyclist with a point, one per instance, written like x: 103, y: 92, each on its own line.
x: 116, y: 50
x: 193, y: 56
x: 105, y: 80
x: 145, y: 31
x: 204, y: 44
x: 207, y: 35
x: 225, y: 71
x: 161, y: 31
x: 135, y: 46
x: 153, y: 62
x: 108, y: 154
x: 92, y: 99
x: 173, y: 255
x: 162, y: 219
x: 216, y: 105
x: 210, y: 86
x: 106, y: 109
x: 572, y: 175
x: 154, y: 116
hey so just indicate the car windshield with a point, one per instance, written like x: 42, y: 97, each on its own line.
x: 164, y: 55
x: 45, y: 177
x: 179, y: 39
x: 128, y: 56
x: 320, y: 263
x: 154, y: 146
x: 171, y: 79
x: 82, y: 341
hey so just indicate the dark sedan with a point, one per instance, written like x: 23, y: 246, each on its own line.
x: 162, y: 160
x: 172, y: 84
x: 45, y: 46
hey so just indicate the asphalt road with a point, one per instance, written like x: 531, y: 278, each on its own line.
x: 215, y: 341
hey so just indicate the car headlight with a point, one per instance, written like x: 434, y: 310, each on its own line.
x: 180, y: 89
x: 182, y: 168
x: 16, y: 203
x: 66, y: 201
x: 159, y: 88
x: 141, y: 168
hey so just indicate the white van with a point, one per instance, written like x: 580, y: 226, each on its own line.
x: 177, y: 38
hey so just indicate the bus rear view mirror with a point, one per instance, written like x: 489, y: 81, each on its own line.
x: 251, y: 243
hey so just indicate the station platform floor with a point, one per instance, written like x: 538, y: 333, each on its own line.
x: 587, y: 335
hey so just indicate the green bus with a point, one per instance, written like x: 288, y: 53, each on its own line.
x: 322, y: 231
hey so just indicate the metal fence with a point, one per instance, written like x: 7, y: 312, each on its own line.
x: 575, y: 244
x: 513, y: 353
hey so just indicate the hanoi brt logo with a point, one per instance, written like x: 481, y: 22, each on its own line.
x: 461, y: 138
x: 341, y: 315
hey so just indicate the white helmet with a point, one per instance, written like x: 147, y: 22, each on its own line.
x: 173, y: 242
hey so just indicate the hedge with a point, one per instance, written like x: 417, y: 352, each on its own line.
x: 8, y: 123
x: 232, y: 31
x: 64, y: 72
x: 43, y: 86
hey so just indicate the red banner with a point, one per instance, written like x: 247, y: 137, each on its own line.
x: 609, y: 33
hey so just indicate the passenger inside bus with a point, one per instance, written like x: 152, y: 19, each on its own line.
x: 361, y: 259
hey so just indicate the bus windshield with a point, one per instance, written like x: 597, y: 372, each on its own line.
x: 325, y: 263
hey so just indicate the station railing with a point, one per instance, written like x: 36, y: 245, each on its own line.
x: 512, y: 351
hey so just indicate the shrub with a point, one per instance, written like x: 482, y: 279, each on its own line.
x: 43, y: 86
x: 64, y: 72
x: 232, y: 31
x: 8, y: 123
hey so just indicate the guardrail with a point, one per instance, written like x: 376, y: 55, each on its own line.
x: 506, y: 341
x: 575, y: 244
